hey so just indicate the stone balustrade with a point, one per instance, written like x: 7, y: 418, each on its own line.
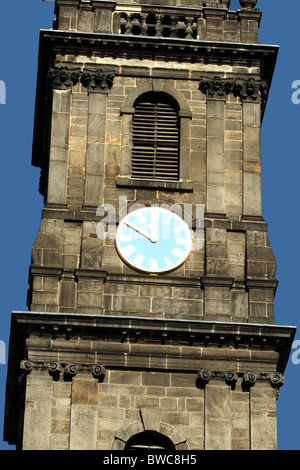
x: 206, y: 24
x: 210, y: 21
x: 159, y: 25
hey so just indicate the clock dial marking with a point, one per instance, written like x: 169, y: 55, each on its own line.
x: 128, y: 250
x: 153, y: 265
x: 125, y: 238
x: 139, y: 260
x: 167, y: 220
x: 182, y: 241
x: 177, y: 229
x: 168, y: 263
x: 178, y: 253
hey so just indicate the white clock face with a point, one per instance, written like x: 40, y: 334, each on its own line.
x: 153, y: 240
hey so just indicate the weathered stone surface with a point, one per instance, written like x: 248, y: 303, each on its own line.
x: 149, y: 335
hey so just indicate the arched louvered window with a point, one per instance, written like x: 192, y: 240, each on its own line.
x: 150, y: 440
x: 155, y: 138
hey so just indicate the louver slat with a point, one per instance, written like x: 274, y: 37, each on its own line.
x: 155, y: 153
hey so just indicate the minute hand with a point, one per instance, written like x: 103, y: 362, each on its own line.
x: 141, y: 231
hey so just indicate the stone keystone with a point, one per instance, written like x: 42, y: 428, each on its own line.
x: 151, y: 418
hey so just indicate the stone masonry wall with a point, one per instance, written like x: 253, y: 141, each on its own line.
x: 73, y: 270
x: 87, y: 415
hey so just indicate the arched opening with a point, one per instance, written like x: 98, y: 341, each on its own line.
x: 148, y: 440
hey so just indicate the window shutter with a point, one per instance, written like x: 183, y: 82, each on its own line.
x: 155, y: 152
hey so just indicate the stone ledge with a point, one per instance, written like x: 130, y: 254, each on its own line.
x: 177, y: 186
x: 160, y: 325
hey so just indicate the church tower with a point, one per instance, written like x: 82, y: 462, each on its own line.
x: 150, y: 319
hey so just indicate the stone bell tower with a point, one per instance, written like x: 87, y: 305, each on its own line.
x: 140, y: 105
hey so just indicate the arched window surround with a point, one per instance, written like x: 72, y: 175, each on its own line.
x: 184, y: 183
x: 125, y: 435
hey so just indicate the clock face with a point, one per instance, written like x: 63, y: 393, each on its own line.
x: 153, y: 240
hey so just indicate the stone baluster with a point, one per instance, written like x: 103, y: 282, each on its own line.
x: 189, y: 28
x: 143, y: 25
x: 248, y: 4
x: 128, y: 25
x: 159, y: 26
x: 173, y: 30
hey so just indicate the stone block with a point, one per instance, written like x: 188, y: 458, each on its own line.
x: 175, y: 419
x: 176, y: 306
x: 159, y: 379
x: 215, y: 153
x: 67, y: 293
x: 216, y: 267
x: 216, y: 307
x: 83, y: 433
x: 216, y: 199
x: 125, y: 377
x: 251, y: 143
x: 93, y: 190
x: 215, y: 127
x: 131, y: 304
x: 238, y: 304
x: 89, y: 299
x: 37, y: 417
x: 52, y: 258
x: 263, y: 417
x: 217, y: 425
x: 57, y: 182
x: 60, y: 130
x: 151, y: 418
x: 252, y: 194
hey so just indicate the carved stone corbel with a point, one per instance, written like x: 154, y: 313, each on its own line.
x: 203, y: 376
x: 216, y: 87
x: 277, y: 380
x: 71, y: 369
x: 98, y: 371
x: 246, y: 89
x: 250, y: 378
x: 26, y: 365
x: 64, y: 77
x: 97, y: 80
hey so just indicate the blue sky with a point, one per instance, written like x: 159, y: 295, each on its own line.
x: 20, y: 22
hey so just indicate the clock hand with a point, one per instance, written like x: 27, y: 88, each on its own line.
x: 141, y: 231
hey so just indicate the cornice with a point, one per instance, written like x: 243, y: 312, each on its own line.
x: 197, y: 333
x: 133, y: 46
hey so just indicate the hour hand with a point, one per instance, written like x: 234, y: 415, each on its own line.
x: 142, y: 232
